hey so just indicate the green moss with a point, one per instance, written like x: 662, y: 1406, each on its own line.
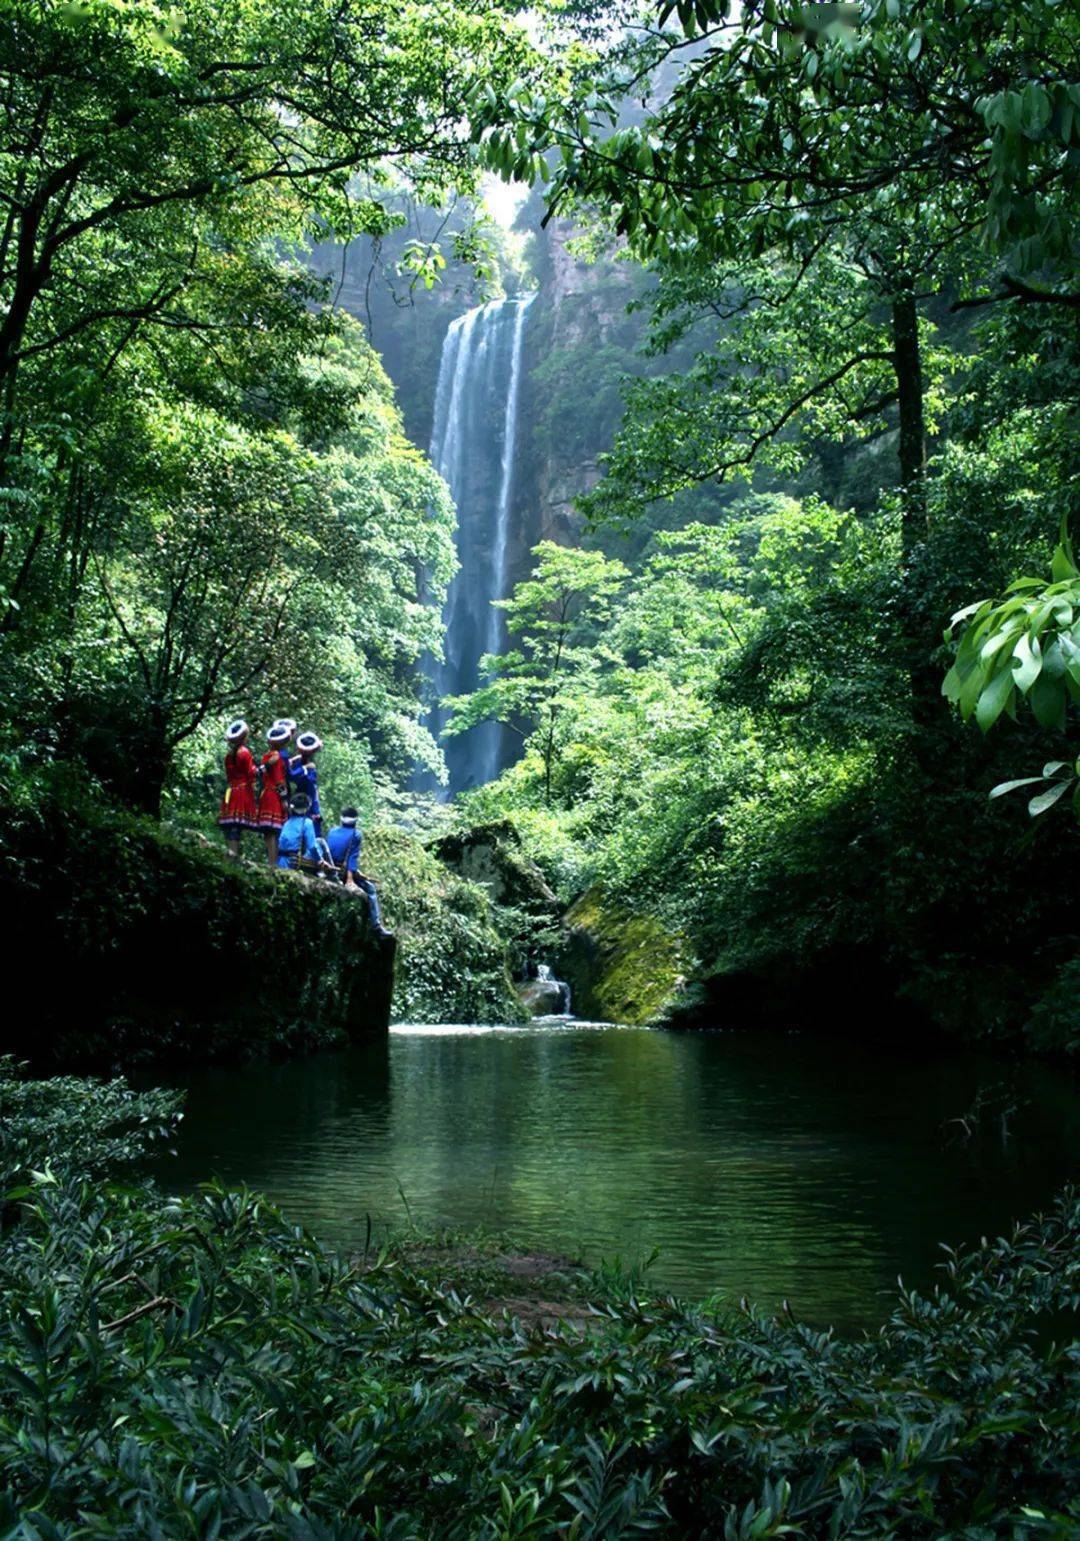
x: 152, y: 944
x: 621, y: 966
x: 452, y: 954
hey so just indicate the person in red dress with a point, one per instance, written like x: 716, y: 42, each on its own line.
x: 274, y: 797
x: 238, y: 808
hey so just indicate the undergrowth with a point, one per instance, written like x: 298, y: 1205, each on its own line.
x: 202, y: 1367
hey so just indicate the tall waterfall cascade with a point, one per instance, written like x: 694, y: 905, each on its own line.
x: 473, y: 447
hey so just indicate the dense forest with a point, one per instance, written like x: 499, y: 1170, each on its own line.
x: 678, y: 401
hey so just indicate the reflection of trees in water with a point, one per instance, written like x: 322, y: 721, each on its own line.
x: 268, y: 1125
x: 771, y: 1165
x: 618, y: 1141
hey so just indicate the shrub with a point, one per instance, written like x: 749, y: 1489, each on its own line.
x: 202, y: 1367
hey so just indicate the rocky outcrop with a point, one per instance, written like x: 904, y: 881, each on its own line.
x: 542, y: 997
x: 492, y: 855
x: 455, y: 954
x: 144, y: 945
x: 621, y: 965
x: 581, y: 343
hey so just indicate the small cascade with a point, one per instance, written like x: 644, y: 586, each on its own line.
x: 544, y: 974
x: 473, y: 447
x: 544, y: 995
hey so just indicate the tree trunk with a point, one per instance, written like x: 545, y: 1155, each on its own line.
x: 920, y: 628
x: 907, y: 362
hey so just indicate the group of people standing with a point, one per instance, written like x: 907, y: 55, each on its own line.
x: 278, y: 796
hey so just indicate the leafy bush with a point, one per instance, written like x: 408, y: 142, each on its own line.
x: 201, y: 1367
x: 452, y: 959
x: 89, y: 1126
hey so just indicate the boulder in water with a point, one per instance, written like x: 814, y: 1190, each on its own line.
x: 622, y: 965
x: 543, y: 997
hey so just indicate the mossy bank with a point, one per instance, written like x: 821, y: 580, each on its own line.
x: 455, y: 945
x: 142, y: 944
x: 622, y: 965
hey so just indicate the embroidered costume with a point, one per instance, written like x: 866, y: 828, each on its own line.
x: 275, y: 788
x: 238, y: 810
x: 304, y: 777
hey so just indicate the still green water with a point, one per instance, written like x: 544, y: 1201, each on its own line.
x: 775, y: 1166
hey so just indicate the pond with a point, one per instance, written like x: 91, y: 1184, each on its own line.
x: 778, y: 1166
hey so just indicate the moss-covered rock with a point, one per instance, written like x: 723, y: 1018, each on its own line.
x: 527, y: 913
x: 453, y: 958
x: 621, y: 966
x: 144, y: 944
x: 492, y: 855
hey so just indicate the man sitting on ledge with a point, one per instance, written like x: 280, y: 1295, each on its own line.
x: 345, y: 842
x: 298, y: 842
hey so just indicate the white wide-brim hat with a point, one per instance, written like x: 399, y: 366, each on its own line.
x: 236, y: 730
x: 289, y: 723
x: 278, y: 734
x: 308, y: 743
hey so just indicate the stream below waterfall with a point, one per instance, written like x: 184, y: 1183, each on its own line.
x: 776, y: 1166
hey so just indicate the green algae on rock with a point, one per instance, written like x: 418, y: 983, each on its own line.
x: 621, y: 965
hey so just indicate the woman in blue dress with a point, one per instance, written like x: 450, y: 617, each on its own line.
x: 304, y: 775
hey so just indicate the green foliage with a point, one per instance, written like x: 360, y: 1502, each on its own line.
x: 171, y: 951
x: 201, y: 1365
x: 87, y: 1128
x: 738, y: 764
x: 552, y: 618
x: 452, y: 942
x: 1025, y: 647
x: 757, y: 754
x: 781, y: 127
x: 209, y: 500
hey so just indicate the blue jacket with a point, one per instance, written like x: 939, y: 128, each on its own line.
x: 345, y: 847
x: 297, y: 839
x: 305, y: 778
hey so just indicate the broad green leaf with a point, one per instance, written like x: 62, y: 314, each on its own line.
x: 1011, y: 786
x: 1026, y: 663
x: 1048, y: 702
x: 1047, y: 799
x: 1062, y: 567
x: 993, y: 700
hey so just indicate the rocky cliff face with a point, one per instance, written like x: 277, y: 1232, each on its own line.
x: 143, y: 945
x: 581, y: 342
x: 405, y: 323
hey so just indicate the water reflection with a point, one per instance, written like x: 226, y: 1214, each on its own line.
x: 778, y: 1167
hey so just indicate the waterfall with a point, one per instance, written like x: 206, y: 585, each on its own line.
x: 545, y: 976
x: 473, y: 444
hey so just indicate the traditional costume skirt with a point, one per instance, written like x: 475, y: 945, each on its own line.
x: 271, y: 812
x: 238, y: 809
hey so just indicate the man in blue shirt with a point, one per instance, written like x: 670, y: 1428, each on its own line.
x: 298, y: 839
x: 345, y: 843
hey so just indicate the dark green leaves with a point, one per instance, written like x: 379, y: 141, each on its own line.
x: 307, y: 1396
x: 1024, y: 647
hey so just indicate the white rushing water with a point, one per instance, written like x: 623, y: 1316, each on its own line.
x: 474, y: 448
